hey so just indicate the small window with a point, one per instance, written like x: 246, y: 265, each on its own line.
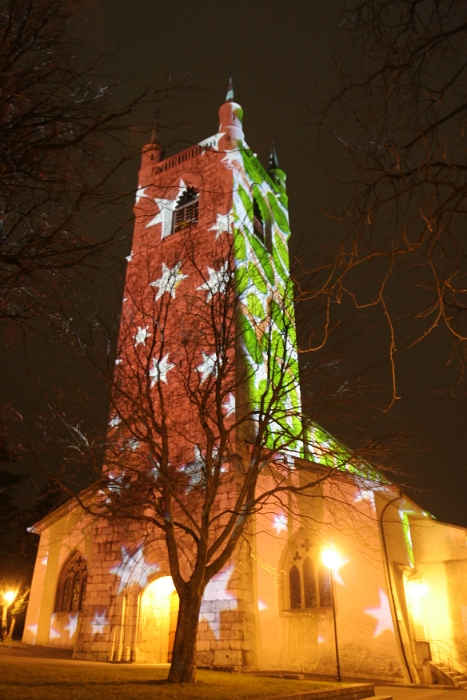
x: 295, y: 588
x: 71, y: 590
x: 258, y: 222
x: 324, y: 587
x: 309, y: 583
x: 186, y: 211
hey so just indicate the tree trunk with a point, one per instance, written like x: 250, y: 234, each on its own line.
x: 12, y: 627
x: 183, y: 666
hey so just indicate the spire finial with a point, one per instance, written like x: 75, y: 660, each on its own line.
x: 155, y: 131
x: 273, y: 162
x: 230, y: 91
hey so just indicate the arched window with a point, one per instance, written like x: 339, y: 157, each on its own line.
x: 186, y: 210
x: 72, y: 585
x: 309, y: 585
x: 324, y: 587
x: 258, y: 222
x: 295, y: 588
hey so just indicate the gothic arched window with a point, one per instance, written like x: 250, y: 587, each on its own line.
x: 324, y: 580
x: 309, y: 585
x: 186, y: 210
x: 71, y: 589
x: 295, y: 588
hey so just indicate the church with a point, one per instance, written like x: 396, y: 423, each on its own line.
x: 207, y: 365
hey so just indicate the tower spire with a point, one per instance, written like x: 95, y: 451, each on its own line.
x: 155, y: 131
x: 230, y: 91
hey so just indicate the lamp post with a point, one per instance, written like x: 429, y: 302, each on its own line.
x: 8, y: 597
x: 331, y: 561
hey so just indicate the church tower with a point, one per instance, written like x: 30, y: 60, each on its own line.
x: 206, y: 363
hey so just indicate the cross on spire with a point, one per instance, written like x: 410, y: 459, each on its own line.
x: 230, y: 91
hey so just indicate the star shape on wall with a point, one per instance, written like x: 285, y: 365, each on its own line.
x: 367, y: 495
x: 194, y: 470
x: 217, y: 282
x: 169, y: 280
x: 279, y: 523
x: 98, y: 622
x: 159, y: 369
x: 133, y: 569
x: 382, y: 615
x: 140, y: 193
x: 72, y: 624
x: 216, y: 590
x: 207, y: 367
x: 229, y: 405
x: 114, y: 421
x: 165, y: 206
x: 223, y: 223
x: 129, y: 258
x: 141, y: 335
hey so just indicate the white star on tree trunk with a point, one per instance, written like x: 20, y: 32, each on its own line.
x: 159, y: 369
x: 169, y: 281
x: 217, y: 282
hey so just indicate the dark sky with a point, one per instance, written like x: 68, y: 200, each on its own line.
x: 281, y: 57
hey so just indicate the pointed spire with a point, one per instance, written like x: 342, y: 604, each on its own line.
x: 273, y: 162
x: 230, y: 92
x: 155, y: 131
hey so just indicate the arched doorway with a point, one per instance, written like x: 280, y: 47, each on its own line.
x: 158, y: 612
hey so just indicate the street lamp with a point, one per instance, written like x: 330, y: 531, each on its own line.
x: 8, y: 597
x: 331, y: 561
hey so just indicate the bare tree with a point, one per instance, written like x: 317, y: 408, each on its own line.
x: 400, y: 117
x: 61, y: 143
x: 206, y: 428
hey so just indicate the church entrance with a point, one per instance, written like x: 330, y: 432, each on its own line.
x: 158, y: 612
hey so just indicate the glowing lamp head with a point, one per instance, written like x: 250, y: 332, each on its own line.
x: 330, y: 558
x: 9, y: 596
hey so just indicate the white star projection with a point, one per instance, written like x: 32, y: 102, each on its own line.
x: 382, y: 615
x: 169, y: 280
x: 159, y: 369
x: 114, y: 421
x: 194, y: 470
x: 132, y: 444
x: 207, y: 367
x: 223, y: 223
x: 217, y: 282
x: 367, y: 495
x: 229, y: 405
x: 280, y: 523
x: 133, y: 569
x: 140, y: 193
x: 166, y: 209
x: 129, y: 258
x: 53, y: 634
x: 216, y: 590
x: 141, y: 335
x: 261, y: 605
x: 99, y: 622
x: 72, y: 624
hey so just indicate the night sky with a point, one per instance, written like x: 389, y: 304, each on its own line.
x: 281, y: 57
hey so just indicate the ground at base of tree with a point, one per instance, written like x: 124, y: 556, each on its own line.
x: 28, y: 681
